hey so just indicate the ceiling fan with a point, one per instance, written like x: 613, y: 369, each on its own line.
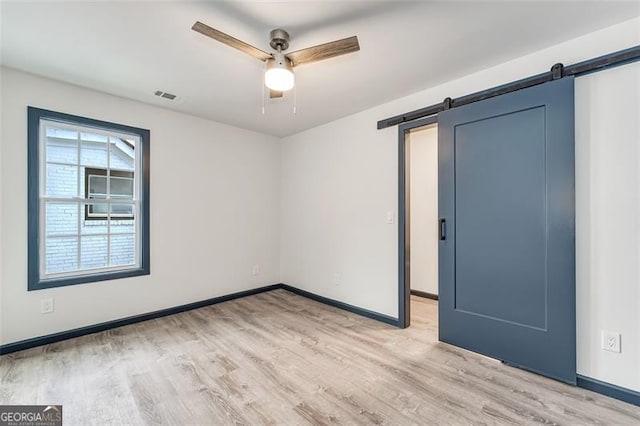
x: 279, y: 74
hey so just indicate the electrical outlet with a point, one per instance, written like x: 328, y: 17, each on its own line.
x: 336, y: 279
x: 611, y: 341
x: 256, y: 270
x: 46, y: 306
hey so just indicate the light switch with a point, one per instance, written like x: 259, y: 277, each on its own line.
x: 390, y: 218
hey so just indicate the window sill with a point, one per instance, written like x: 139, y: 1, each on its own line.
x: 37, y: 284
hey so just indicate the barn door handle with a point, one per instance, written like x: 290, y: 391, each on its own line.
x: 442, y: 222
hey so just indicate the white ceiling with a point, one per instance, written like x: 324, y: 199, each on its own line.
x: 132, y: 49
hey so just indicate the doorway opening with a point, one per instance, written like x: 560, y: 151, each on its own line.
x: 418, y: 219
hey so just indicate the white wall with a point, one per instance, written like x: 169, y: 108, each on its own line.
x: 339, y: 179
x: 423, y: 190
x: 608, y: 222
x: 221, y: 181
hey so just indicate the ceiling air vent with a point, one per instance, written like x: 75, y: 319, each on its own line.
x: 165, y: 95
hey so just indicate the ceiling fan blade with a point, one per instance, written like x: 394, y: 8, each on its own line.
x: 230, y: 41
x: 324, y: 51
x: 275, y: 94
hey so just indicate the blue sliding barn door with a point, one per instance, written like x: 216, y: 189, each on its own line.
x: 507, y: 249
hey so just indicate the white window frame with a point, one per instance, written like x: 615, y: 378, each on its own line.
x: 80, y: 202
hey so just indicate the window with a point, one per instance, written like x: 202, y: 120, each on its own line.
x: 88, y: 200
x: 120, y: 186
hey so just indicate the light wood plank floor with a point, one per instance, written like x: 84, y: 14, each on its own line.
x: 278, y: 358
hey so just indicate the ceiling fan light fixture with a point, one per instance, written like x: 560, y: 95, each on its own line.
x: 279, y: 74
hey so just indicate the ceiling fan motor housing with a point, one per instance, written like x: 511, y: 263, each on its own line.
x: 279, y: 39
x: 279, y: 61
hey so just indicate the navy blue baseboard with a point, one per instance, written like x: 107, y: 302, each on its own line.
x: 96, y: 328
x: 617, y: 392
x: 420, y: 293
x: 341, y: 305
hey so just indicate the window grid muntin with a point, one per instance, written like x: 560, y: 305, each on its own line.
x: 79, y: 201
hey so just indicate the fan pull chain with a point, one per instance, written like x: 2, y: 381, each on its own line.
x: 295, y: 97
x: 263, y: 91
